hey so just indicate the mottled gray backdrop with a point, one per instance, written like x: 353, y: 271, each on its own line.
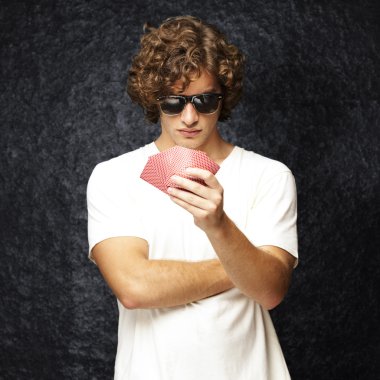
x: 311, y: 100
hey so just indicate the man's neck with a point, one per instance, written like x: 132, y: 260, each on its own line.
x: 218, y: 150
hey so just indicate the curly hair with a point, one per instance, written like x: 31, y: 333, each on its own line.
x: 179, y: 49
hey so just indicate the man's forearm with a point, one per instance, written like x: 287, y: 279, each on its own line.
x: 142, y: 283
x: 166, y: 283
x: 257, y: 272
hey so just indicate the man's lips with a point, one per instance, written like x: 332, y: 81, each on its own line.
x: 189, y: 132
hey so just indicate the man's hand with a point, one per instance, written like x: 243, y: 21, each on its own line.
x: 204, y: 202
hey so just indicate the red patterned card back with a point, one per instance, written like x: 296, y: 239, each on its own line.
x: 161, y: 166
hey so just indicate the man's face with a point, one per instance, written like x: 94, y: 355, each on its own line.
x: 190, y: 128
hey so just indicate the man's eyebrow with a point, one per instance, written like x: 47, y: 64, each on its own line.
x: 212, y: 89
x: 209, y: 90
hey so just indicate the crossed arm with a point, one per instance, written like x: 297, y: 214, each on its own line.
x: 142, y: 283
x: 262, y: 273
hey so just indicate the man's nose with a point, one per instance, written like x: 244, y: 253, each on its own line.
x: 189, y: 115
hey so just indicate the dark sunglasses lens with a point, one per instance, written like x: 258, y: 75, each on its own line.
x: 206, y: 103
x: 172, y: 106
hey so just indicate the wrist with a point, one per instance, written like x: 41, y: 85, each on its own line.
x: 220, y: 230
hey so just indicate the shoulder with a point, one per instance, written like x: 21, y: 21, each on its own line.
x: 259, y: 166
x: 130, y: 160
x: 127, y: 165
x: 119, y: 175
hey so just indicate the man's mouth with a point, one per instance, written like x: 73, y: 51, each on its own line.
x: 189, y: 132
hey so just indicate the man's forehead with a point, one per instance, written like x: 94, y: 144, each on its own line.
x: 204, y: 82
x: 181, y: 84
x: 178, y: 86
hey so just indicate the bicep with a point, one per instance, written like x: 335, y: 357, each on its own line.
x: 119, y: 259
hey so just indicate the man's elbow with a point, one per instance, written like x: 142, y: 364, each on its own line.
x: 272, y: 299
x: 277, y: 293
x: 271, y: 302
x: 129, y: 302
x: 132, y: 297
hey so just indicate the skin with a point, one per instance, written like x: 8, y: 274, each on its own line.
x: 262, y: 273
x: 207, y: 137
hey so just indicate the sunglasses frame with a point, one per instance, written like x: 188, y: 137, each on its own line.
x: 189, y: 99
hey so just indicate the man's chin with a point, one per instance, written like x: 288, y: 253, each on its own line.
x: 189, y: 144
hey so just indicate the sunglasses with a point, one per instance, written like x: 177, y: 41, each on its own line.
x: 203, y: 103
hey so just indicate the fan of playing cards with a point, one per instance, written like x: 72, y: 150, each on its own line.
x: 174, y: 161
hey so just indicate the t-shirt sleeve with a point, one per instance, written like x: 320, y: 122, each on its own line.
x: 273, y: 215
x: 112, y: 211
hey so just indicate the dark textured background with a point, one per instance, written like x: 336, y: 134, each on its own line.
x: 311, y: 100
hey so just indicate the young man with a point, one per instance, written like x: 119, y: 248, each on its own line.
x: 195, y: 272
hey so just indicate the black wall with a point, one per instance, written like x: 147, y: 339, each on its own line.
x: 311, y: 100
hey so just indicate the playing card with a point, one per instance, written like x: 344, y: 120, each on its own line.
x: 158, y: 165
x: 174, y: 161
x: 183, y: 158
x: 154, y: 173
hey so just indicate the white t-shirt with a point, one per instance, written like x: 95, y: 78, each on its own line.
x: 224, y: 337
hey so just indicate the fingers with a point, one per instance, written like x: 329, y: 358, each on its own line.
x: 207, y: 213
x: 188, y: 202
x: 203, y: 201
x: 207, y: 177
x: 204, y: 175
x: 190, y: 186
x: 200, y: 196
x: 195, y: 193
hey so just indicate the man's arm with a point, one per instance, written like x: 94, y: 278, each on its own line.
x: 262, y: 273
x: 142, y: 283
